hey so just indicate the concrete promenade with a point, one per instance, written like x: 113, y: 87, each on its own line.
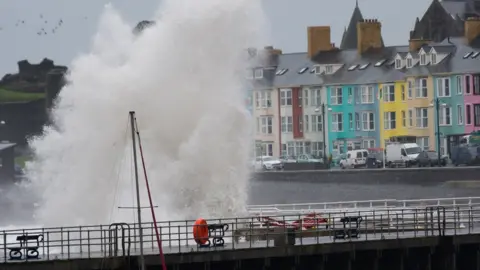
x: 116, y: 246
x: 247, y: 251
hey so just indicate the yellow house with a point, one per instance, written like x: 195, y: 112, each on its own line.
x: 393, y: 110
x: 420, y: 112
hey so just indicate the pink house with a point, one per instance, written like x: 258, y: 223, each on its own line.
x: 472, y: 103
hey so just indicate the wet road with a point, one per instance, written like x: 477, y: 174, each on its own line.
x: 270, y: 192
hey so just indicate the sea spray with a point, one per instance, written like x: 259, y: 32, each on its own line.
x: 184, y: 77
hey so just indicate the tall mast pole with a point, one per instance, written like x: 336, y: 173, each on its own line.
x: 139, y: 209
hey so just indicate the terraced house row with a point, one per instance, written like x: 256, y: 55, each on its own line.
x: 363, y: 94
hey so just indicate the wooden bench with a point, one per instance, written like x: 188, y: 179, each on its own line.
x: 348, y: 231
x: 29, y: 244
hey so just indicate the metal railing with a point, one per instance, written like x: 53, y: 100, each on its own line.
x: 363, y: 205
x: 121, y: 239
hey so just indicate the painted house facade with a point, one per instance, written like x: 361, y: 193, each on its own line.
x: 472, y: 102
x: 364, y: 94
x: 393, y: 111
x: 353, y: 117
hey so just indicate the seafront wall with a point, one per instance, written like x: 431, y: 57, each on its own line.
x: 376, y: 176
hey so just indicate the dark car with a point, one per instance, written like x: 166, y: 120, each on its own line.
x: 375, y: 160
x: 430, y: 158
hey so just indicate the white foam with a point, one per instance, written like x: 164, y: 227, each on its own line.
x: 184, y: 78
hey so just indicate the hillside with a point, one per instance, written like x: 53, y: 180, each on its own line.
x: 29, y: 84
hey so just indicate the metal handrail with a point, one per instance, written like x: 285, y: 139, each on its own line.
x: 99, y: 241
x: 364, y: 204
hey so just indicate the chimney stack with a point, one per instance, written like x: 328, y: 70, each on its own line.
x: 472, y: 28
x: 416, y: 44
x: 269, y: 56
x: 272, y: 51
x: 318, y: 39
x: 369, y: 35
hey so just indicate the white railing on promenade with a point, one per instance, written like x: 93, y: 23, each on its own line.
x: 107, y: 241
x: 363, y: 205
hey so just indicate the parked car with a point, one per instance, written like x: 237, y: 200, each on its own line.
x: 288, y: 159
x: 354, y: 159
x: 375, y: 158
x: 308, y: 158
x: 430, y: 158
x: 267, y: 163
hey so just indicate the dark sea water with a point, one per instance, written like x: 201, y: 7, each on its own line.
x: 271, y: 192
x: 16, y: 206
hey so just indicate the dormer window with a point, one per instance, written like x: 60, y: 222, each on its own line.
x: 398, y: 63
x: 328, y: 69
x: 409, y: 61
x: 423, y: 59
x: 258, y: 73
x: 433, y: 58
x: 318, y: 70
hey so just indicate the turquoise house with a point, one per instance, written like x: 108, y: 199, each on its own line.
x: 353, y: 118
x: 450, y: 92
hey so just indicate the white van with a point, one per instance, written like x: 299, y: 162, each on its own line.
x: 354, y: 159
x: 402, y: 154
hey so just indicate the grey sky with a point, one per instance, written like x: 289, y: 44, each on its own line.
x: 288, y: 20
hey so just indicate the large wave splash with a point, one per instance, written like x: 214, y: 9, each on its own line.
x: 183, y: 77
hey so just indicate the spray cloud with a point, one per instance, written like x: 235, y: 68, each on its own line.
x: 184, y: 78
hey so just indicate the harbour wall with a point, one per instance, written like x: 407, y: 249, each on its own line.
x: 353, y: 185
x: 375, y: 176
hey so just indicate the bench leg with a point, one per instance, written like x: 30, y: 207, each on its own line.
x: 218, y: 242
x: 32, y: 254
x: 15, y: 254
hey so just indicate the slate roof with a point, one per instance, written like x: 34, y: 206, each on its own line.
x: 453, y: 63
x: 442, y: 19
x: 349, y: 40
x: 384, y: 72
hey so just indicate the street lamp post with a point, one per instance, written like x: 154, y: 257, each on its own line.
x: 436, y: 104
x: 323, y: 128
